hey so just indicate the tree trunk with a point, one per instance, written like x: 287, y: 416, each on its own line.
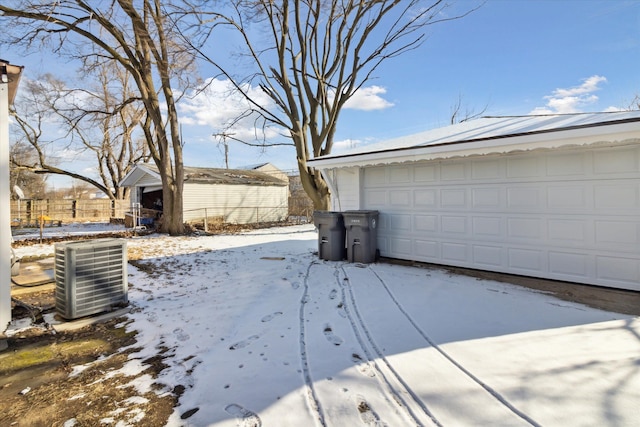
x: 172, y: 207
x: 171, y: 211
x: 315, y: 186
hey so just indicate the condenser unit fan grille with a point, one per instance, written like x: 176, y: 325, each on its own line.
x: 91, y: 277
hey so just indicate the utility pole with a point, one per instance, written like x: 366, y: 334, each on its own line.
x: 224, y: 137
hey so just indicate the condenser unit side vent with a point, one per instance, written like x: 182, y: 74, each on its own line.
x: 91, y: 277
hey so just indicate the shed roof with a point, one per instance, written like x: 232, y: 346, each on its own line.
x: 488, y: 135
x: 206, y: 176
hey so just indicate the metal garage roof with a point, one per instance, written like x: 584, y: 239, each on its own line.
x: 205, y: 176
x: 488, y: 135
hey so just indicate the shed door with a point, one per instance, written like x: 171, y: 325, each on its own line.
x: 570, y: 215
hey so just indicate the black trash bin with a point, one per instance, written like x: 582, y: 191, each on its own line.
x: 331, y: 235
x: 362, y: 235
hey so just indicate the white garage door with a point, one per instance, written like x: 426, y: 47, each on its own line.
x: 569, y: 214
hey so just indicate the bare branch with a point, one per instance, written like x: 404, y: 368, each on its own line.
x: 314, y: 55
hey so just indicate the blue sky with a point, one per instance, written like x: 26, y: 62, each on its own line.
x: 513, y: 57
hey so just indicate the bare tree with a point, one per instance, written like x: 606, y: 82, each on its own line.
x: 458, y: 116
x: 139, y: 36
x: 94, y: 121
x: 310, y: 57
x: 634, y: 104
x: 32, y: 184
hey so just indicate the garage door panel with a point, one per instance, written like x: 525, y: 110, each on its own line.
x: 620, y: 234
x: 376, y: 176
x: 456, y: 252
x: 483, y: 227
x: 399, y: 222
x: 524, y: 228
x: 524, y: 198
x: 400, y: 199
x: 400, y: 246
x: 376, y: 198
x: 426, y: 173
x: 566, y: 164
x: 619, y: 195
x: 563, y: 197
x: 616, y: 161
x: 399, y: 174
x: 453, y: 171
x: 566, y: 215
x: 486, y: 169
x: 525, y: 261
x: 616, y: 270
x: 486, y: 198
x: 452, y: 224
x: 567, y: 231
x: 427, y: 198
x: 523, y: 167
x: 427, y: 250
x: 569, y: 265
x: 426, y: 223
x: 453, y: 198
x: 488, y: 255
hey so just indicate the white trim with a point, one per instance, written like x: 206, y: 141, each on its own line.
x: 494, y: 135
x: 562, y: 139
x: 151, y: 188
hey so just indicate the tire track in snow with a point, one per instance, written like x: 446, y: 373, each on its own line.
x: 387, y: 392
x: 448, y: 357
x: 393, y: 382
x: 311, y: 395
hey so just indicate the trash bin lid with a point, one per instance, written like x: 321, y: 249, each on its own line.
x: 368, y: 213
x: 327, y: 213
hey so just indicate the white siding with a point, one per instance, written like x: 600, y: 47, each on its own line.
x: 345, y: 188
x: 273, y: 171
x: 240, y: 204
x: 568, y: 214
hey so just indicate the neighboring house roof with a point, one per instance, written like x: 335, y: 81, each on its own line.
x: 255, y: 166
x: 205, y: 176
x: 269, y: 169
x: 489, y: 135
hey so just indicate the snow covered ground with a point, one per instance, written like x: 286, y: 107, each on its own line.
x: 259, y: 331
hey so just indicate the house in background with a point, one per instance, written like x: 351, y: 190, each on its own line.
x: 229, y: 195
x: 555, y: 196
x: 269, y: 169
x: 300, y: 205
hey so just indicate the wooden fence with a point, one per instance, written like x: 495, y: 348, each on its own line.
x: 30, y: 212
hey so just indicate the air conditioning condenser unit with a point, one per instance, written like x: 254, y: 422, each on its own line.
x: 91, y: 277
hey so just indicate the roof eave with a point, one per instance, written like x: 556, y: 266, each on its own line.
x: 625, y: 132
x: 136, y: 173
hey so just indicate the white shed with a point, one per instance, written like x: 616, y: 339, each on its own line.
x: 555, y: 196
x: 236, y: 196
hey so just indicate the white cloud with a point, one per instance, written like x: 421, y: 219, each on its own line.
x: 345, y: 144
x: 218, y: 105
x: 349, y: 144
x: 572, y: 100
x: 368, y: 99
x: 613, y: 109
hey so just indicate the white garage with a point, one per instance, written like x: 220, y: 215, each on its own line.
x: 234, y: 196
x: 555, y: 197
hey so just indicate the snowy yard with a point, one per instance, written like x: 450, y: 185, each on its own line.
x: 259, y: 331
